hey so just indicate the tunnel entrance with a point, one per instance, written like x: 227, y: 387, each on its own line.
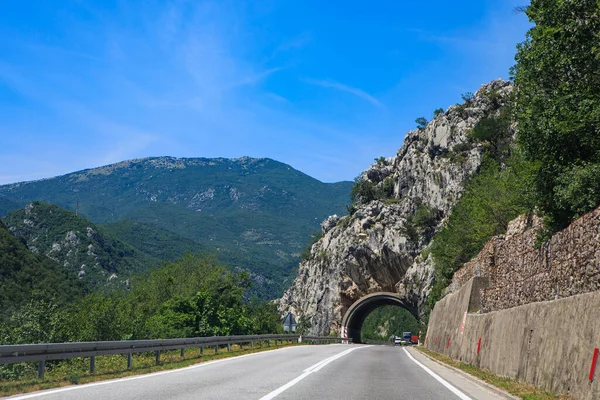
x: 357, y: 313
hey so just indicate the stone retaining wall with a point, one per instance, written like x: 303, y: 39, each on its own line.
x: 566, y: 265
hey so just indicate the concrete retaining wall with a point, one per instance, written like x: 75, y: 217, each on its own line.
x: 549, y: 344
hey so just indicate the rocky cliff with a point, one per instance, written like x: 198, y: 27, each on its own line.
x: 399, y: 204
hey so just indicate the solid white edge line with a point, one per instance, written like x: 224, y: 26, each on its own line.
x: 313, y: 368
x: 439, y: 378
x: 150, y: 375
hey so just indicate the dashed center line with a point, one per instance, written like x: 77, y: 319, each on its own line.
x: 314, y: 368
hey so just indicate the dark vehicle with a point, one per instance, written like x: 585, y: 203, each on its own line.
x: 406, y: 336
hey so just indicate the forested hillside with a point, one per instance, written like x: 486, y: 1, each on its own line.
x: 25, y: 275
x: 153, y: 240
x: 255, y: 214
x: 83, y: 250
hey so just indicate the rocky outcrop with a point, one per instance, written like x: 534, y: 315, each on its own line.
x: 401, y: 201
x: 79, y: 246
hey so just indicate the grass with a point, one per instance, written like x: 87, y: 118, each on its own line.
x: 76, y: 371
x: 523, y: 390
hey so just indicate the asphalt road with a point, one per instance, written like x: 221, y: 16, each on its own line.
x: 303, y: 372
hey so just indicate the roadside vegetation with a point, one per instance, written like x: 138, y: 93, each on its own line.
x: 516, y: 388
x: 76, y: 371
x: 553, y: 169
x: 194, y: 296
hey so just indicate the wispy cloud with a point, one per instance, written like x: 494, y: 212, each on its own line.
x: 345, y: 88
x: 255, y: 78
x: 297, y: 42
x: 277, y: 98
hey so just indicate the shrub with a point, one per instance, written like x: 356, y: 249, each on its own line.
x: 425, y: 218
x: 462, y: 147
x: 437, y: 150
x: 365, y: 191
x: 314, y: 238
x: 495, y: 134
x: 467, y: 97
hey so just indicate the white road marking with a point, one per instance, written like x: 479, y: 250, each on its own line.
x: 438, y: 378
x: 314, y: 368
x: 151, y: 375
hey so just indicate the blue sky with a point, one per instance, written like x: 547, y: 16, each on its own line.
x: 323, y: 86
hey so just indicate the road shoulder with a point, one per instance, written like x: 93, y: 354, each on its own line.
x: 468, y: 384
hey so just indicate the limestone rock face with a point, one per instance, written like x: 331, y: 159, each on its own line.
x: 377, y: 248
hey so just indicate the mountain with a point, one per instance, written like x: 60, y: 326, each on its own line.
x: 24, y: 274
x: 399, y: 204
x: 80, y: 247
x: 255, y: 214
x: 6, y: 205
x: 153, y: 240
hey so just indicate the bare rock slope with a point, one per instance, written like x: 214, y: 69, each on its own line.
x: 402, y: 201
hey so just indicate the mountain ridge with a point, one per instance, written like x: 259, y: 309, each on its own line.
x: 255, y: 213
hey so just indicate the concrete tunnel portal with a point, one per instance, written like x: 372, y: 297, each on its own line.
x: 360, y: 309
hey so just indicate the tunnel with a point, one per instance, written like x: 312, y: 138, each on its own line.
x: 359, y: 310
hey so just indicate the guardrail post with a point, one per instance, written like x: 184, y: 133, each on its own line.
x: 217, y: 349
x: 182, y: 354
x: 228, y: 347
x: 201, y: 350
x: 92, y: 364
x: 129, y: 360
x: 252, y: 344
x: 41, y: 369
x: 157, y: 357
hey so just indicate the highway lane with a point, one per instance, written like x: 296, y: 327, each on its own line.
x: 302, y: 372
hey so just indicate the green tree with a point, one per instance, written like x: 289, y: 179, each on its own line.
x: 100, y: 317
x: 493, y: 197
x: 421, y: 123
x: 264, y: 317
x: 303, y: 326
x: 39, y: 321
x: 495, y: 134
x: 557, y: 105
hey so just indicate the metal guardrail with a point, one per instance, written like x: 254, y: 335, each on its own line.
x: 11, y: 354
